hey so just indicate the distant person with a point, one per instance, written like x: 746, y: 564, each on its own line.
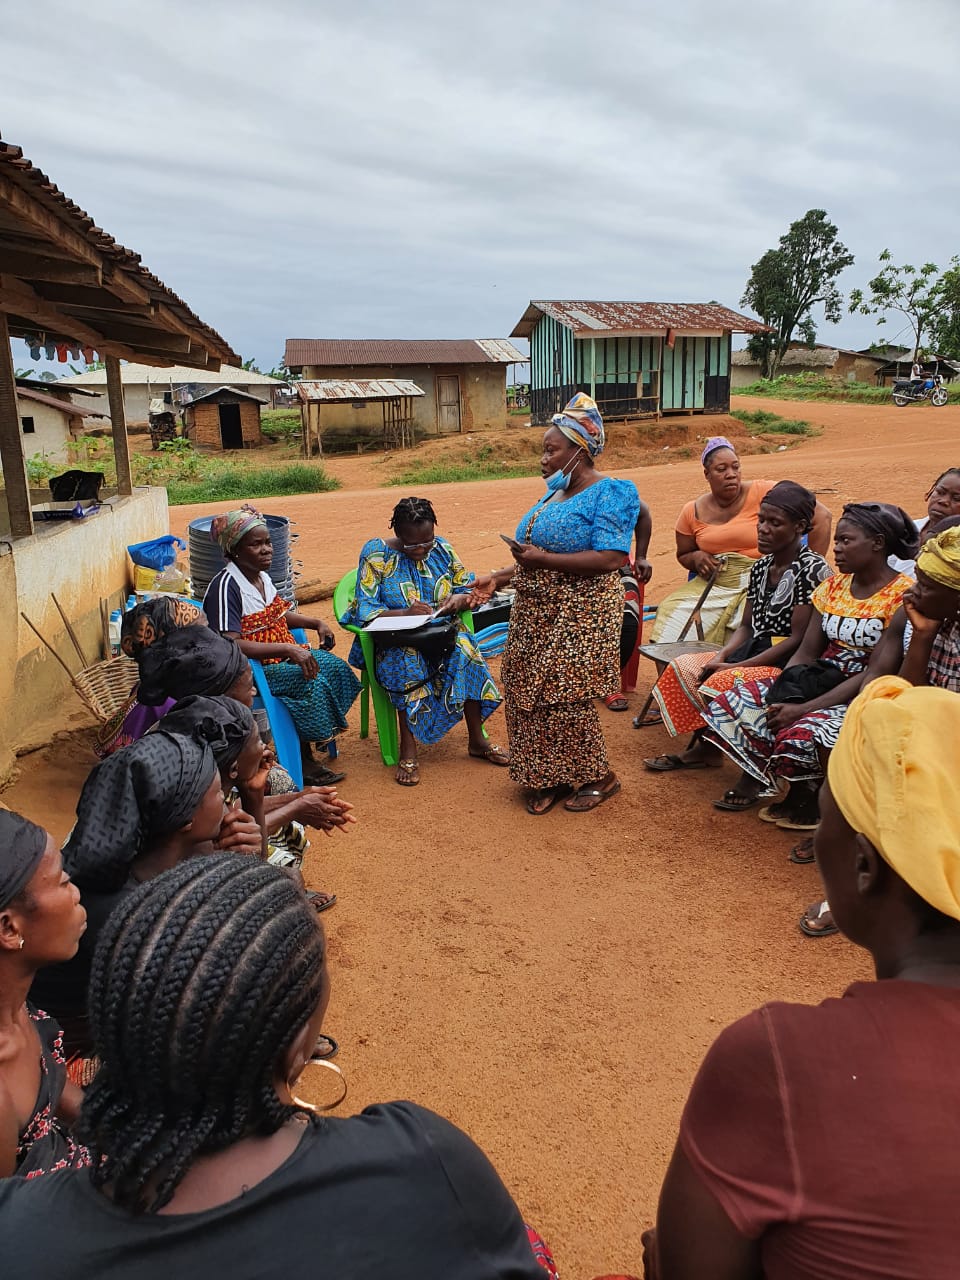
x: 317, y: 687
x: 208, y: 991
x: 825, y: 1140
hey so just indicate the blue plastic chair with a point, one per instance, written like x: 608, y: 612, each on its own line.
x: 286, y: 740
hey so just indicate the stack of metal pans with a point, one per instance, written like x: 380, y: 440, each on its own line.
x: 206, y: 558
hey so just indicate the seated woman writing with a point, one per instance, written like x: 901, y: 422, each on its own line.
x: 210, y: 1155
x: 822, y: 1140
x: 781, y: 732
x: 717, y: 534
x: 778, y: 609
x: 416, y: 573
x: 41, y: 923
x: 317, y: 687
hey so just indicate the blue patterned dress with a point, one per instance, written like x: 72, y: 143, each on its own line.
x: 388, y: 579
x: 563, y: 645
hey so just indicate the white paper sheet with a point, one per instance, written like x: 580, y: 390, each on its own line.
x: 404, y: 622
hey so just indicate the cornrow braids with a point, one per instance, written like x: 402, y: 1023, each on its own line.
x: 201, y: 980
x: 950, y: 471
x: 412, y: 511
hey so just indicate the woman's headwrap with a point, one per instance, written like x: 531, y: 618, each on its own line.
x: 228, y: 529
x: 155, y: 619
x: 893, y: 776
x: 884, y: 520
x: 939, y: 559
x: 794, y: 500
x: 712, y: 445
x: 581, y: 423
x: 195, y: 660
x: 222, y: 724
x: 139, y: 794
x: 22, y: 844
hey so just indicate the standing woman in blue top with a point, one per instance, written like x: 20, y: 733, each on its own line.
x: 563, y: 642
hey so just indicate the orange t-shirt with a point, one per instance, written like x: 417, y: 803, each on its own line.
x: 737, y: 536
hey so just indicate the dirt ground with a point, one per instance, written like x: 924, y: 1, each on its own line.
x: 552, y: 984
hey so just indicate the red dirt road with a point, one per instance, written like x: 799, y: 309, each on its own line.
x: 552, y: 984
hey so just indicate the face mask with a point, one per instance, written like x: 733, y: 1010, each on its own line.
x: 560, y: 480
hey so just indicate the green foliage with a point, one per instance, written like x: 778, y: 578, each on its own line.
x: 916, y: 292
x: 40, y: 468
x: 470, y: 469
x: 223, y: 482
x: 280, y: 424
x: 787, y: 282
x: 945, y: 325
x: 813, y: 386
x: 762, y: 422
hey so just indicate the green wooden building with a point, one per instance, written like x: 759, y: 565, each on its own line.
x: 636, y: 359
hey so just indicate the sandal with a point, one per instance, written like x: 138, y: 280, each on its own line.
x: 651, y: 718
x: 817, y: 921
x: 668, y: 763
x: 799, y: 822
x: 320, y: 901
x: 550, y: 794
x: 615, y: 702
x: 408, y: 773
x: 325, y: 1047
x: 591, y: 796
x: 319, y: 775
x: 773, y: 812
x: 735, y: 802
x: 492, y: 755
x: 802, y: 853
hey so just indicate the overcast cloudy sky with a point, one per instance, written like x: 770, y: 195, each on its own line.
x: 422, y: 168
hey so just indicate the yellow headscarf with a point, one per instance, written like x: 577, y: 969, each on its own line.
x: 893, y: 775
x: 939, y: 559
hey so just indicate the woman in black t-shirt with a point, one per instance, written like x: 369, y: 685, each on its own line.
x: 207, y: 994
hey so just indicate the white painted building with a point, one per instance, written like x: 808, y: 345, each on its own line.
x: 143, y: 383
x: 49, y: 419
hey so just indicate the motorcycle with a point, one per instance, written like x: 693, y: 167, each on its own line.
x: 907, y: 391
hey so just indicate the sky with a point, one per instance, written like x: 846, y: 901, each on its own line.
x: 423, y: 169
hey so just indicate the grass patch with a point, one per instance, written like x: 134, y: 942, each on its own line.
x: 762, y: 422
x: 454, y: 472
x: 814, y: 386
x: 226, y: 482
x: 280, y: 424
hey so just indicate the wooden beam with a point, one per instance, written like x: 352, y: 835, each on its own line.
x: 151, y: 339
x: 35, y: 266
x: 36, y: 218
x: 11, y: 443
x: 84, y: 298
x: 118, y: 422
x: 126, y: 286
x: 19, y: 299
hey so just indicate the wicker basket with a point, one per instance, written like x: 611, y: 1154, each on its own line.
x: 107, y: 685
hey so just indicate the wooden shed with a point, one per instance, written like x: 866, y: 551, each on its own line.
x: 224, y: 419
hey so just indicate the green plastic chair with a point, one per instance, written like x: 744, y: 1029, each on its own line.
x: 383, y: 709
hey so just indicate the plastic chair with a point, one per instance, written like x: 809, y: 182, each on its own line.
x: 286, y: 739
x: 384, y: 711
x: 663, y: 654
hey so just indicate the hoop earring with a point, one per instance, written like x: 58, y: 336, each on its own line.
x: 316, y: 1108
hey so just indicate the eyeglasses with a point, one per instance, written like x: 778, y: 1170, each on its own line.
x: 419, y: 546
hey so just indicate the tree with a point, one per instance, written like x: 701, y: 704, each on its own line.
x: 945, y: 325
x: 789, y: 281
x: 913, y: 291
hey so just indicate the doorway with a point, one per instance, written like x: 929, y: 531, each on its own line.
x: 231, y: 432
x: 448, y: 403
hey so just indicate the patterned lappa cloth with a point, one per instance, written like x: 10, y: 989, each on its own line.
x: 388, y: 579
x: 44, y: 1145
x: 737, y: 721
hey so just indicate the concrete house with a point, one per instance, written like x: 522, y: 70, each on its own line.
x: 835, y: 363
x: 49, y: 419
x: 464, y: 382
x: 176, y: 386
x: 636, y: 359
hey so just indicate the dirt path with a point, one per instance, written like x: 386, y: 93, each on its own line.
x: 552, y: 985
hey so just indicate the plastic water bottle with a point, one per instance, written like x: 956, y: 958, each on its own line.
x: 116, y: 619
x: 131, y: 603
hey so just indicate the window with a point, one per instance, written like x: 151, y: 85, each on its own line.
x: 168, y: 397
x: 29, y: 426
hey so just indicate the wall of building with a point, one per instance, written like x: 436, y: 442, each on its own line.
x: 483, y: 397
x: 137, y: 397
x: 81, y: 562
x: 51, y: 430
x: 203, y: 424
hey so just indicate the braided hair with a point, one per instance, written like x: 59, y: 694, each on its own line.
x: 202, y: 979
x: 412, y: 511
x: 950, y: 471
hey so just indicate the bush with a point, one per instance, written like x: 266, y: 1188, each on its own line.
x: 814, y: 386
x: 470, y: 469
x: 223, y: 482
x: 761, y: 422
x: 280, y: 424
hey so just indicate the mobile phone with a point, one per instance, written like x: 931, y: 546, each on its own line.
x: 511, y: 542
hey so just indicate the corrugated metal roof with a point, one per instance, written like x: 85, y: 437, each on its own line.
x: 65, y: 406
x: 134, y: 374
x: 622, y: 317
x: 331, y: 352
x: 332, y: 389
x: 231, y: 391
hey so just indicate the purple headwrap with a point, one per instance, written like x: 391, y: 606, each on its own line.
x: 712, y: 445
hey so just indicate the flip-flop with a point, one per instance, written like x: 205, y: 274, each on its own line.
x: 492, y: 755
x: 798, y: 824
x: 319, y: 775
x: 555, y: 794
x: 597, y: 794
x: 616, y: 702
x: 670, y: 763
x: 816, y: 911
x: 650, y: 719
x: 408, y: 773
x: 733, y: 802
x: 802, y: 853
x: 315, y: 900
x: 324, y: 1048
x: 769, y: 813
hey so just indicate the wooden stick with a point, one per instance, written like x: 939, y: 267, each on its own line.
x: 49, y: 646
x: 70, y: 632
x: 105, y: 626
